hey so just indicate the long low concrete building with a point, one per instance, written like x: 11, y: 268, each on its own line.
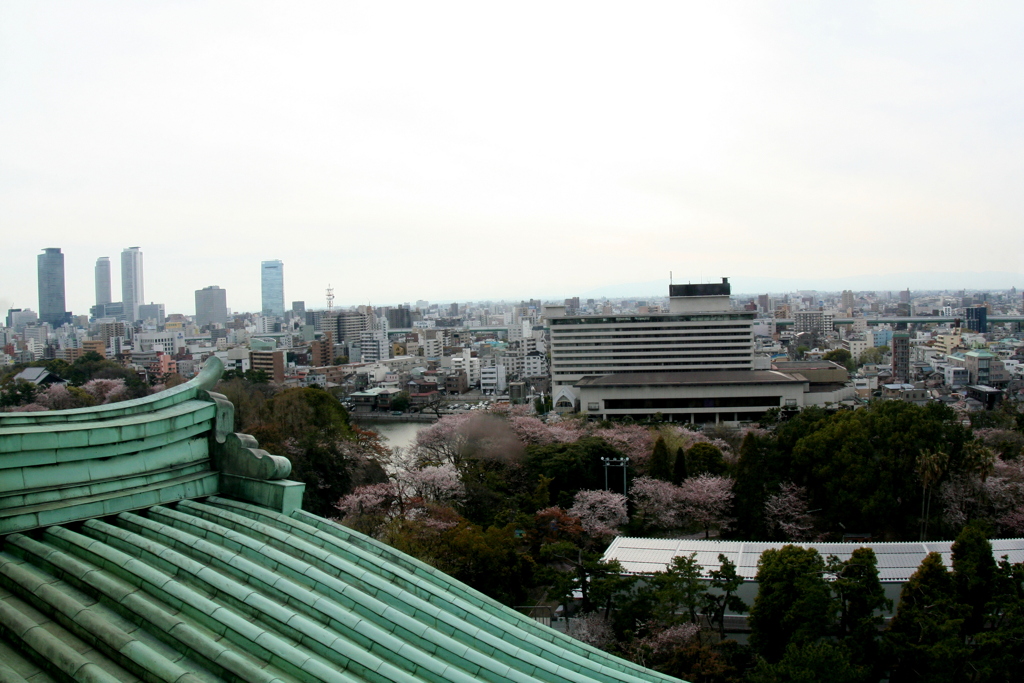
x: 697, y: 397
x: 896, y: 561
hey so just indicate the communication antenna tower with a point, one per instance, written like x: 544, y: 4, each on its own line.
x: 330, y: 298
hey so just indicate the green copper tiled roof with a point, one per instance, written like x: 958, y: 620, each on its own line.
x: 127, y: 554
x: 222, y: 590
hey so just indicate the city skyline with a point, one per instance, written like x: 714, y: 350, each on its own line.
x: 424, y: 153
x: 743, y: 285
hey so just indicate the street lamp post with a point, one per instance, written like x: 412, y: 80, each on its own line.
x: 622, y: 462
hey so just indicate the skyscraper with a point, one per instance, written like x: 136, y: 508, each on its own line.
x: 103, y: 280
x: 51, y: 287
x: 131, y: 282
x: 211, y: 306
x: 272, y: 282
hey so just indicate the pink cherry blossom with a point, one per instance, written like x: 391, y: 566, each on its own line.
x: 786, y: 512
x: 601, y: 513
x: 706, y: 501
x: 656, y: 502
x: 437, y: 484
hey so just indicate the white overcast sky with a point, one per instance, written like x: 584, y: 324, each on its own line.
x: 440, y: 151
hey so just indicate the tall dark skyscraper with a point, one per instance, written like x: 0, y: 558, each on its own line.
x: 103, y: 280
x: 51, y: 287
x: 272, y: 285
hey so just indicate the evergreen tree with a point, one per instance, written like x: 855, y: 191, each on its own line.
x: 661, y: 462
x: 809, y: 663
x: 703, y: 458
x: 861, y: 601
x: 722, y: 596
x: 973, y: 575
x: 793, y: 603
x: 923, y: 642
x: 679, y: 471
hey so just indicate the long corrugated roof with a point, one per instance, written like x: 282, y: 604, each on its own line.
x: 223, y: 590
x: 896, y: 561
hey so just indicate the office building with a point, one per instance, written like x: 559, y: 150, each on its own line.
x: 976, y: 319
x: 103, y: 281
x: 693, y: 364
x: 700, y: 332
x: 211, y: 306
x: 299, y: 310
x: 132, y: 295
x: 18, y: 318
x: 272, y: 286
x: 50, y: 271
x: 154, y: 312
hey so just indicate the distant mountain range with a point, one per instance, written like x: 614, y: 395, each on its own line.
x: 993, y: 280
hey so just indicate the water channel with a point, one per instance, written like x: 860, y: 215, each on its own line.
x: 397, y: 433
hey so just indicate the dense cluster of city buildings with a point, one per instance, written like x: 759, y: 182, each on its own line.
x: 701, y: 354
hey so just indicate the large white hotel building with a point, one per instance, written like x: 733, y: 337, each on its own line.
x: 694, y: 363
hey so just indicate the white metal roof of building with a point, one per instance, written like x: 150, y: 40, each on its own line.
x: 896, y: 561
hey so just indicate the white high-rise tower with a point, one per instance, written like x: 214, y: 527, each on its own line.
x: 131, y: 282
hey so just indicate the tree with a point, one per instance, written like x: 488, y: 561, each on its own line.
x: 842, y: 357
x: 786, y: 514
x: 873, y: 356
x: 400, y: 402
x: 706, y: 501
x: 793, y: 603
x: 704, y: 458
x: 311, y: 428
x: 436, y: 483
x: 369, y: 508
x: 661, y: 462
x: 973, y: 575
x: 655, y: 503
x: 570, y: 466
x: 923, y: 642
x: 17, y: 393
x: 434, y: 403
x: 679, y: 470
x: 930, y: 467
x: 601, y: 513
x: 678, y: 591
x: 809, y: 662
x: 861, y: 600
x: 722, y: 594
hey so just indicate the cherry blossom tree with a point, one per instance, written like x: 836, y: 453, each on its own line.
x: 656, y: 502
x: 601, y: 513
x: 591, y: 628
x: 786, y: 513
x: 57, y: 397
x: 369, y: 508
x: 705, y: 500
x: 634, y: 441
x: 444, y: 441
x: 456, y: 438
x: 436, y: 483
x: 666, y: 640
x: 107, y: 390
x: 535, y: 432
